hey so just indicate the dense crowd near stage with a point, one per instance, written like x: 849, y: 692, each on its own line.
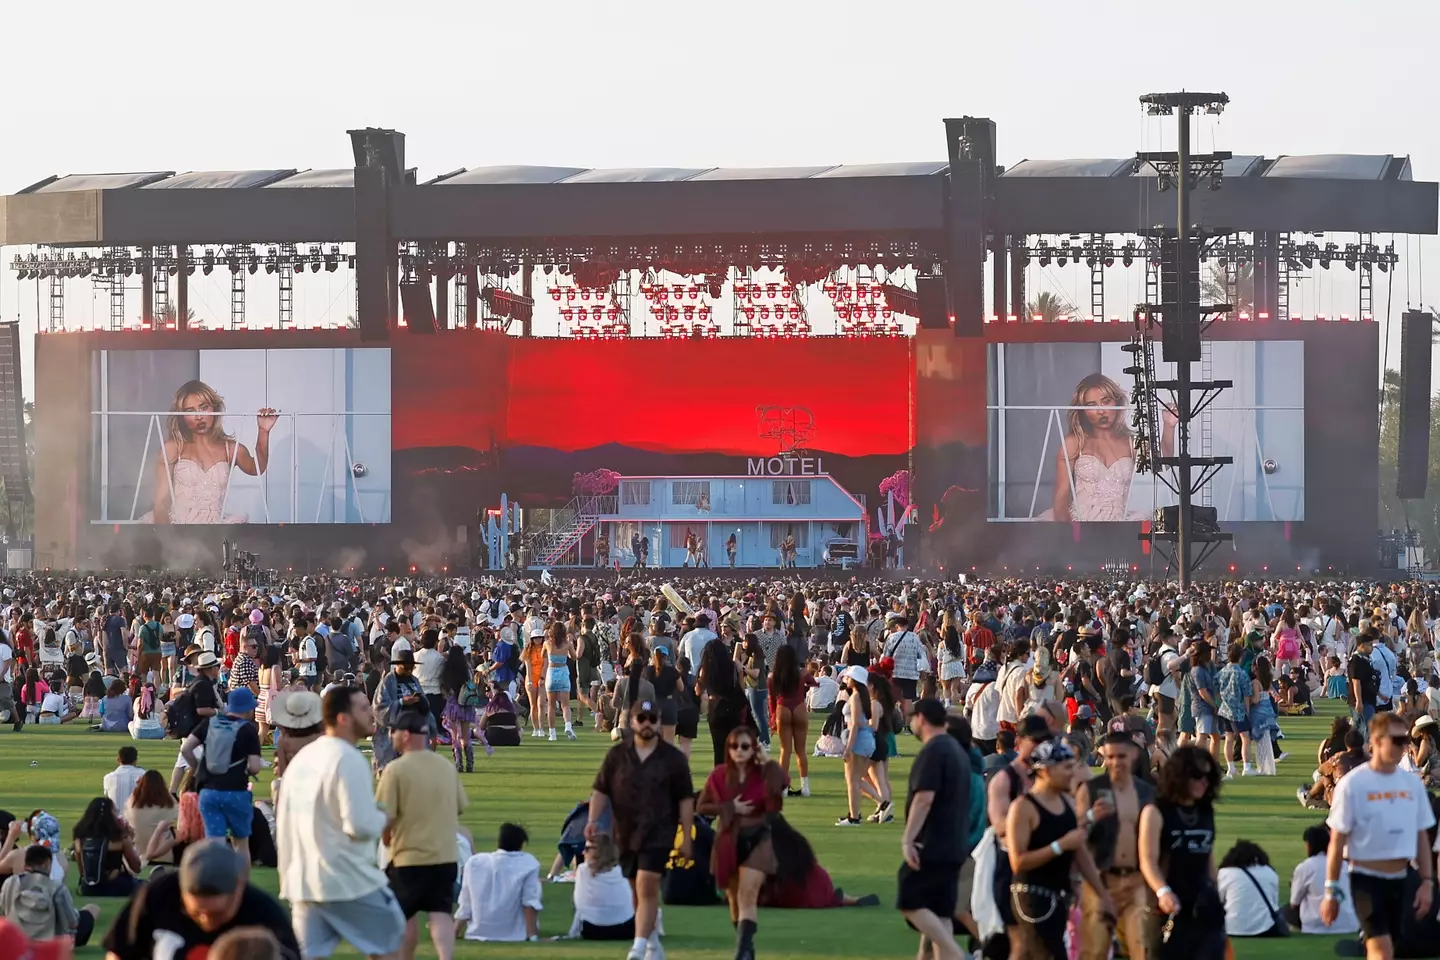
x: 1069, y: 742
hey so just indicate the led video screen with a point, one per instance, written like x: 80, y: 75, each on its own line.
x: 1061, y: 443
x: 240, y: 436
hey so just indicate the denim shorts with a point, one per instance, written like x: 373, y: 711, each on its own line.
x: 865, y: 743
x: 227, y: 813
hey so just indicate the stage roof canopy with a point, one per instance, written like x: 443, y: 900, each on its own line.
x: 1323, y: 193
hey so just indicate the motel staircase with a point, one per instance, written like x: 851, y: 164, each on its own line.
x: 569, y: 525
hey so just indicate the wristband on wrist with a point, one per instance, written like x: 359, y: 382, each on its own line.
x: 1090, y: 816
x: 1055, y: 848
x: 1163, y: 890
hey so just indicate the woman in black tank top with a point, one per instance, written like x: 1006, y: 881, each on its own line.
x: 1177, y: 843
x: 1046, y: 846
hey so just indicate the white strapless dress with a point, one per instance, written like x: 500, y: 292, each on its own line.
x: 1102, y: 493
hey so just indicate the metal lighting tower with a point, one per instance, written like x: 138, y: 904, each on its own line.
x: 1182, y: 320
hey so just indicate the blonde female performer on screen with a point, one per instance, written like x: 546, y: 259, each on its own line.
x: 1098, y: 455
x: 192, y: 475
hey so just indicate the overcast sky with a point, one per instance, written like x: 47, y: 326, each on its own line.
x: 162, y: 85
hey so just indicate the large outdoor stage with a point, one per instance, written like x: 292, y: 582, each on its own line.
x: 709, y: 320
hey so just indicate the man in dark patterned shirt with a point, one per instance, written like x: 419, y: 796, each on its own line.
x: 245, y: 671
x: 644, y: 783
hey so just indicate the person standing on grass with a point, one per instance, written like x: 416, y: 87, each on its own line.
x: 231, y: 758
x: 1379, y: 820
x: 1046, y: 847
x: 1111, y: 804
x: 933, y: 844
x: 644, y: 783
x: 327, y: 826
x: 421, y: 791
x: 1177, y: 859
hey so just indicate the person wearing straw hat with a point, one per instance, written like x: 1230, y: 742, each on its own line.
x: 297, y: 713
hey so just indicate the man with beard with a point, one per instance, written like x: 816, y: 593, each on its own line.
x: 644, y: 784
x: 328, y: 827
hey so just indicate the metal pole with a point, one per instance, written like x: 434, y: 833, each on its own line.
x: 1183, y: 283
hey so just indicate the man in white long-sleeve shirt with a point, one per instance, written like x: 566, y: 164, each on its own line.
x: 328, y: 826
x: 500, y: 891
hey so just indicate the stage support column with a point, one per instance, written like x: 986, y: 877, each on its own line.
x: 1267, y: 274
x: 182, y: 287
x: 147, y: 290
x: 999, y: 275
x: 379, y: 168
x: 442, y: 300
x: 1018, y: 307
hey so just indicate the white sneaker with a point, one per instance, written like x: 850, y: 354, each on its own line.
x: 570, y: 734
x: 804, y: 786
x: 1281, y: 757
x: 552, y: 734
x: 1303, y: 796
x: 1229, y: 774
x: 536, y: 732
x: 1249, y: 772
x: 654, y: 950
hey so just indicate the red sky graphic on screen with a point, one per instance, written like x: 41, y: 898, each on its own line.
x: 663, y: 396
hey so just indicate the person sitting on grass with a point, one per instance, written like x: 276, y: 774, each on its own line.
x: 604, y: 903
x: 500, y: 896
x: 1250, y: 891
x: 1307, y: 889
x: 41, y: 906
x: 1317, y: 796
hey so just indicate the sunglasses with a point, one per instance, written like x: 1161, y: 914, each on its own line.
x: 744, y: 747
x: 647, y: 717
x: 1195, y: 774
x: 1401, y: 740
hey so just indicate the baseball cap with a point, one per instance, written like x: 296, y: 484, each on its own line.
x: 210, y: 868
x: 411, y: 721
x: 932, y: 710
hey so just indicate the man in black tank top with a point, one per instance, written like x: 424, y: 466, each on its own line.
x: 1046, y: 845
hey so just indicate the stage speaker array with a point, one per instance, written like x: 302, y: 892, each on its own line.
x: 1413, y: 465
x: 419, y: 309
x: 930, y: 300
x: 1203, y: 520
x: 13, y: 466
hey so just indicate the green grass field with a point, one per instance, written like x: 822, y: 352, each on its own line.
x: 538, y: 783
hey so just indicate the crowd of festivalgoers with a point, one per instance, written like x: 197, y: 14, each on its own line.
x: 1010, y: 843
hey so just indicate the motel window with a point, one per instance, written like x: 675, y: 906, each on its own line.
x: 635, y: 493
x: 690, y: 493
x: 778, y: 532
x: 790, y: 492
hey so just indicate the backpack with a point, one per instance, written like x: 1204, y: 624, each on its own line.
x: 180, y: 716
x: 256, y: 632
x: 470, y: 695
x: 1155, y: 667
x: 493, y: 609
x: 220, y: 744
x: 150, y: 637
x: 512, y: 662
x: 32, y: 908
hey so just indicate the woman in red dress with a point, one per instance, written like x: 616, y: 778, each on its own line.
x: 745, y: 794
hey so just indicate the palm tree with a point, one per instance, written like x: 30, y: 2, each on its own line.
x: 1214, y: 289
x: 1048, y: 305
x: 166, y: 317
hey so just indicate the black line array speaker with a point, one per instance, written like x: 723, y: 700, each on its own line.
x: 930, y: 297
x: 13, y: 462
x: 1414, y: 455
x: 419, y: 309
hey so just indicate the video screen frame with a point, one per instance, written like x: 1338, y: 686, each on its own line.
x: 303, y: 433
x: 1043, y: 394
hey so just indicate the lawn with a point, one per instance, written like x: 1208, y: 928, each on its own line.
x: 60, y: 769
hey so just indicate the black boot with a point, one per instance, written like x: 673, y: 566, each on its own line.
x: 469, y: 757
x: 745, y: 941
